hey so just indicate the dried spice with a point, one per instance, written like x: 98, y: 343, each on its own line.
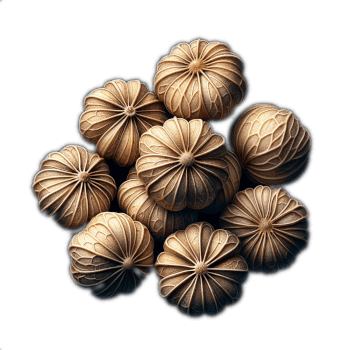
x: 134, y: 200
x: 115, y: 116
x: 200, y: 80
x: 271, y: 226
x: 270, y: 144
x: 112, y: 254
x: 74, y: 184
x: 201, y: 269
x: 182, y: 164
x: 230, y: 187
x: 183, y: 173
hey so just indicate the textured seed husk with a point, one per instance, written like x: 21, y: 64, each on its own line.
x: 108, y: 123
x: 134, y: 200
x: 210, y: 92
x: 275, y: 247
x: 271, y: 145
x: 100, y: 254
x: 60, y: 190
x: 175, y: 183
x: 212, y: 286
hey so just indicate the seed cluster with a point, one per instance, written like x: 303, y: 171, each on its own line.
x: 185, y: 206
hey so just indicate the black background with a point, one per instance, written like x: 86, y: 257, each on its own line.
x: 66, y: 59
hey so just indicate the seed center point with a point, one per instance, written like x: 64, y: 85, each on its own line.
x: 201, y: 268
x: 128, y: 263
x: 266, y: 226
x: 187, y: 159
x: 130, y: 111
x: 196, y: 65
x: 83, y: 176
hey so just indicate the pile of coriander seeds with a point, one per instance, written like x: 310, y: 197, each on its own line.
x: 182, y: 207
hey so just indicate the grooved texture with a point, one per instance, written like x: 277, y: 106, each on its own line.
x: 134, y: 200
x: 200, y: 80
x: 230, y: 187
x: 74, y: 184
x: 270, y: 144
x: 112, y: 254
x: 132, y: 174
x: 115, y: 116
x: 173, y: 183
x: 200, y: 269
x: 270, y: 225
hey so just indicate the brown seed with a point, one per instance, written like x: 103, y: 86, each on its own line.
x: 182, y: 164
x: 112, y: 254
x: 270, y: 225
x: 200, y: 80
x: 115, y: 117
x: 270, y: 144
x: 74, y: 184
x: 134, y: 200
x: 200, y: 269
